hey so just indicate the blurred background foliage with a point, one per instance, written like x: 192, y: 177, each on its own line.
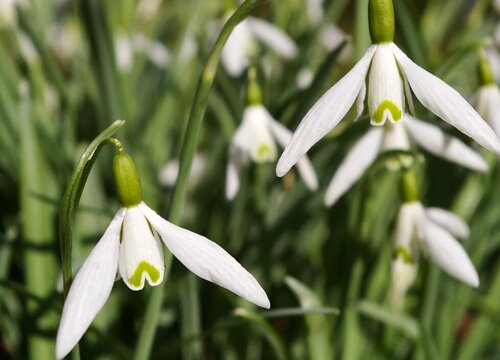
x: 70, y: 68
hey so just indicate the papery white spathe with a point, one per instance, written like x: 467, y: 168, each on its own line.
x: 399, y: 136
x: 255, y: 139
x: 131, y: 246
x: 431, y: 232
x: 488, y: 105
x: 242, y: 44
x: 392, y: 77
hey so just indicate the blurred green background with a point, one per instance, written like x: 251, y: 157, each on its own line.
x: 68, y: 69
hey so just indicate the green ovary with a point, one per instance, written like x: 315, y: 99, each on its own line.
x: 154, y: 273
x: 378, y: 115
x: 265, y: 151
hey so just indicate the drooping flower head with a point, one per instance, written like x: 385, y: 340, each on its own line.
x: 131, y: 247
x: 392, y: 78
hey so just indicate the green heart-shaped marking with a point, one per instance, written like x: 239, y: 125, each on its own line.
x: 144, y: 266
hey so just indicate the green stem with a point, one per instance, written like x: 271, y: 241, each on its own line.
x: 205, y: 82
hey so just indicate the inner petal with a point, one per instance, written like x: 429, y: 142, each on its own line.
x: 145, y: 271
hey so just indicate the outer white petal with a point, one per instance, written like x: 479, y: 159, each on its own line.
x: 488, y: 105
x: 207, y: 259
x: 254, y: 136
x: 385, y: 88
x: 273, y: 36
x: 357, y: 161
x: 403, y: 276
x: 234, y: 55
x: 315, y: 10
x: 141, y: 253
x: 447, y: 252
x: 326, y: 113
x: 169, y: 172
x: 447, y: 103
x: 304, y: 166
x: 449, y: 221
x: 233, y: 170
x: 434, y: 140
x: 395, y: 138
x: 360, y: 101
x: 406, y: 225
x: 90, y: 288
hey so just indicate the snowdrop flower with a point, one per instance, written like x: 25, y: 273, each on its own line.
x: 242, y: 44
x: 131, y: 246
x: 8, y: 15
x: 255, y: 140
x: 399, y: 136
x: 431, y: 232
x: 488, y: 95
x: 391, y: 78
x: 169, y: 172
x: 126, y: 47
x: 315, y: 11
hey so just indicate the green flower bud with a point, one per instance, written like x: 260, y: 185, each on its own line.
x: 381, y: 19
x: 484, y: 70
x: 409, y: 186
x: 128, y: 185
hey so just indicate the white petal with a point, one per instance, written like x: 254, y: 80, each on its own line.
x: 408, y: 95
x: 403, y: 275
x: 385, y: 87
x: 304, y: 166
x: 234, y: 55
x: 273, y: 36
x: 395, y: 138
x: 90, y: 288
x: 233, y: 172
x: 207, y: 259
x: 360, y: 101
x: 449, y: 221
x: 315, y: 11
x: 447, y: 103
x: 447, y: 252
x: 254, y: 137
x: 488, y: 105
x: 326, y: 113
x: 406, y: 225
x: 141, y: 254
x: 357, y: 161
x: 435, y: 141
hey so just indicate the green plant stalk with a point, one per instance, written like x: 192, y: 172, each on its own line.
x: 200, y: 101
x: 38, y: 232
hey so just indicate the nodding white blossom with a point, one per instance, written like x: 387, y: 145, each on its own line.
x: 430, y: 232
x: 147, y: 9
x: 131, y: 246
x: 126, y: 47
x: 494, y: 59
x: 315, y: 11
x: 242, y: 44
x: 488, y: 105
x: 8, y: 15
x: 255, y: 139
x: 392, y: 77
x: 399, y: 136
x: 170, y: 171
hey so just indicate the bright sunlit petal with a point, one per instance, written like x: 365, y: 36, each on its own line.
x: 449, y: 221
x: 207, y: 259
x: 357, y: 161
x: 325, y: 114
x: 90, y: 288
x: 447, y: 103
x: 273, y: 36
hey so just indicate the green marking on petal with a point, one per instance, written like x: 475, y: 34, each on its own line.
x: 378, y: 115
x: 404, y: 253
x: 265, y: 151
x: 144, y: 266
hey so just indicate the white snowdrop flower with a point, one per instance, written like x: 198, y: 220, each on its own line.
x: 65, y: 39
x: 305, y: 78
x: 147, y: 9
x: 255, y: 140
x: 27, y: 48
x: 242, y: 44
x: 392, y: 77
x: 131, y: 246
x: 170, y: 171
x: 400, y: 136
x: 488, y: 95
x: 315, y: 11
x: 494, y: 57
x: 124, y: 52
x: 189, y: 47
x: 403, y: 275
x: 432, y: 232
x: 8, y: 16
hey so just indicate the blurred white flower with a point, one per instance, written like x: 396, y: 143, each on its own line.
x: 315, y: 11
x: 8, y: 16
x: 399, y: 136
x: 27, y: 48
x: 488, y: 105
x: 494, y: 58
x: 147, y: 9
x: 65, y: 39
x: 391, y: 77
x: 497, y: 5
x: 431, y: 232
x: 242, y: 44
x: 305, y: 78
x: 124, y: 52
x: 131, y: 246
x: 170, y: 171
x: 126, y: 47
x: 255, y: 139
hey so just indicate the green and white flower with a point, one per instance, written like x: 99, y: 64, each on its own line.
x: 430, y: 232
x: 386, y: 78
x: 401, y: 136
x: 131, y: 247
x: 255, y: 140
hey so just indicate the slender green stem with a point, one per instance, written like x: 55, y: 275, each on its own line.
x: 200, y: 101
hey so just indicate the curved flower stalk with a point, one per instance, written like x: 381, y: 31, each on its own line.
x: 488, y: 95
x: 242, y: 44
x: 431, y: 232
x: 392, y: 78
x: 399, y: 136
x: 131, y: 246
